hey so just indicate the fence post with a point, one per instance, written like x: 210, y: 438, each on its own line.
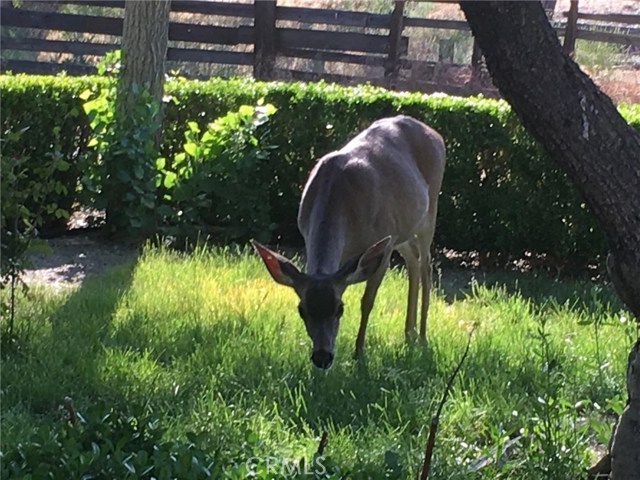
x: 476, y: 57
x: 264, y: 47
x: 446, y: 50
x: 570, y: 31
x: 392, y: 65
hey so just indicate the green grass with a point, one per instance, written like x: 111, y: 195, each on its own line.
x: 209, y: 344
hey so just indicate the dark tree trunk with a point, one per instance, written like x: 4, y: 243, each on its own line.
x: 577, y: 123
x: 144, y: 49
x: 582, y: 130
x: 145, y: 36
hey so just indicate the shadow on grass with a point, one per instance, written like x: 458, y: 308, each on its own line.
x: 542, y: 289
x: 63, y: 361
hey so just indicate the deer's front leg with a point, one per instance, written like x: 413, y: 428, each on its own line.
x: 366, y: 304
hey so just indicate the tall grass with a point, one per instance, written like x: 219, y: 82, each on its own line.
x: 214, y: 348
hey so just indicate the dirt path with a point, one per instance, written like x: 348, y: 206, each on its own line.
x: 74, y: 257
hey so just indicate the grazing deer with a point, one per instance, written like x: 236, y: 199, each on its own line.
x: 377, y: 194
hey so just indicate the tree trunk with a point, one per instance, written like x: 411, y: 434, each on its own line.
x: 144, y: 49
x: 580, y: 128
x: 145, y: 37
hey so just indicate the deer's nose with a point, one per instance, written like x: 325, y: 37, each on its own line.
x: 322, y: 358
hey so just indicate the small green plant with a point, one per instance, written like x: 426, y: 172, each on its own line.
x: 106, y: 442
x: 218, y: 184
x: 552, y: 434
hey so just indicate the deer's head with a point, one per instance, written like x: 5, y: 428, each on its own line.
x: 320, y: 295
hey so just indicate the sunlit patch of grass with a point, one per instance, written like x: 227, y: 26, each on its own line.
x: 212, y: 345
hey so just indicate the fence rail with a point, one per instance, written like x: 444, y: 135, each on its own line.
x: 267, y: 32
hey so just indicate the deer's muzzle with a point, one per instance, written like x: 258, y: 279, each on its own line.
x: 322, y: 358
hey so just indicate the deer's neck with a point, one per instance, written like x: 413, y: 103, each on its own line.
x: 325, y: 247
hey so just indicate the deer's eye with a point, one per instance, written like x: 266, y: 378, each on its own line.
x: 340, y: 310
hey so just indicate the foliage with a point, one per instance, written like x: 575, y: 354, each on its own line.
x: 218, y: 184
x: 632, y: 114
x: 124, y: 172
x: 27, y: 200
x: 129, y: 443
x: 44, y: 123
x: 106, y: 443
x: 212, y: 348
x: 496, y: 182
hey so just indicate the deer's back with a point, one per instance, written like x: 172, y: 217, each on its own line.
x: 380, y: 183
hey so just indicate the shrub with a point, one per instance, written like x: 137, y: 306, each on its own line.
x: 122, y: 177
x: 47, y: 111
x: 501, y: 193
x: 216, y: 186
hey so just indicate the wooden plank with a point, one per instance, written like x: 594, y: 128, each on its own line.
x: 19, y: 17
x: 560, y: 27
x: 282, y: 73
x: 94, y: 3
x: 333, y: 17
x: 325, y: 56
x: 224, y: 9
x: 209, y: 56
x: 264, y: 38
x: 609, y: 18
x: 45, y: 68
x: 187, y: 32
x: 606, y: 37
x: 340, y: 41
x: 436, y: 23
x: 58, y: 46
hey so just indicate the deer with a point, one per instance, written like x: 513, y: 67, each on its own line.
x: 377, y: 194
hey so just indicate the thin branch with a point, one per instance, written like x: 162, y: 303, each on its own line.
x: 435, y: 420
x: 323, y: 443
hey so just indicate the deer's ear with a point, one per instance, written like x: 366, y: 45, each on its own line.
x: 281, y: 269
x: 360, y: 268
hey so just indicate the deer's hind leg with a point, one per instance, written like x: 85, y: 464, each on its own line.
x: 425, y: 239
x: 411, y: 255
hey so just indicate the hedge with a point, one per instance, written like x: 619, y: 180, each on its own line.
x: 501, y: 192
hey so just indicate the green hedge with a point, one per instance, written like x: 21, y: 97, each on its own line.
x: 41, y: 118
x: 501, y: 192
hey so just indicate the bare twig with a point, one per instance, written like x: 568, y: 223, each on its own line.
x: 73, y: 416
x: 323, y: 443
x: 435, y: 420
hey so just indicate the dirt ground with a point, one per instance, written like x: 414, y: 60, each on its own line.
x: 75, y: 256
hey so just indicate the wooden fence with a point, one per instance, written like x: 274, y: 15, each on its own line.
x: 264, y: 38
x: 608, y: 28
